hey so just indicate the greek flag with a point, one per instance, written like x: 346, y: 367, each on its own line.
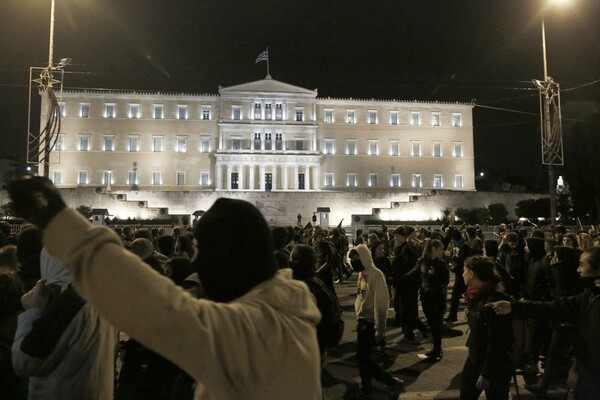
x: 264, y: 56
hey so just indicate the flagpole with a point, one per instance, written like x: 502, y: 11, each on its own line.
x: 268, y: 73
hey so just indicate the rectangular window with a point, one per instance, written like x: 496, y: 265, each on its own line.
x: 372, y: 117
x: 278, y: 111
x: 415, y: 118
x: 373, y: 147
x: 156, y: 178
x: 351, y: 179
x: 268, y: 111
x: 329, y: 179
x: 82, y: 177
x: 268, y: 142
x: 181, y: 144
x: 299, y: 144
x: 236, y: 113
x: 109, y: 143
x: 437, y: 181
x: 436, y: 118
x: 235, y: 180
x: 458, y: 149
x: 437, y: 149
x: 278, y: 141
x: 301, y: 181
x: 416, y: 181
x: 182, y: 112
x: 257, y: 111
x: 133, y: 144
x: 328, y: 146
x: 158, y: 111
x: 157, y: 144
x: 134, y: 111
x: 57, y: 177
x: 110, y: 110
x: 205, y: 145
x: 299, y: 114
x: 328, y: 117
x: 458, y: 181
x: 206, y: 113
x: 204, y: 178
x: 395, y: 180
x: 84, y: 143
x: 350, y: 116
x: 107, y: 177
x: 394, y: 148
x: 257, y: 141
x: 351, y: 147
x: 180, y: 178
x: 63, y: 109
x: 132, y: 178
x: 84, y: 110
x: 60, y: 143
x: 373, y: 180
x: 456, y: 119
x: 394, y: 118
x: 416, y: 149
x: 236, y: 143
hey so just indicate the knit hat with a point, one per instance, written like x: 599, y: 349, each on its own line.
x: 229, y: 268
x: 142, y: 247
x: 409, y: 229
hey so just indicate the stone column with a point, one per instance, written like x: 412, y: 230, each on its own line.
x: 241, y: 176
x: 228, y: 177
x: 274, y: 172
x: 285, y: 172
x: 219, y: 178
x: 296, y: 182
x: 251, y: 183
x: 317, y: 178
x: 261, y: 177
x: 307, y: 178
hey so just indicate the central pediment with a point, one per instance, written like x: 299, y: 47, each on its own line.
x: 267, y: 86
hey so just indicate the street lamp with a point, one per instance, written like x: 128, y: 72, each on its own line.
x: 550, y: 119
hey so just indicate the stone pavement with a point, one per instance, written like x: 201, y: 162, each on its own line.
x: 423, y: 380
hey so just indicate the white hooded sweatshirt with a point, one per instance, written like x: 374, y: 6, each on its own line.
x: 372, y: 298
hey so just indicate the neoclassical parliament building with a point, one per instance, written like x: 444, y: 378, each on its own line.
x: 265, y: 136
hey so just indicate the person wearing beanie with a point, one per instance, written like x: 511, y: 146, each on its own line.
x: 371, y: 307
x: 251, y: 338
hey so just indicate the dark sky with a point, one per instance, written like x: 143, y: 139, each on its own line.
x: 452, y: 50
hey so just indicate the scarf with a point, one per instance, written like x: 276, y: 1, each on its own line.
x: 474, y: 291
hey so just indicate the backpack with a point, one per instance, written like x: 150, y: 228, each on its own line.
x: 331, y: 328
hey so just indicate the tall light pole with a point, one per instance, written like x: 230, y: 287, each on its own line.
x: 551, y: 124
x: 39, y: 146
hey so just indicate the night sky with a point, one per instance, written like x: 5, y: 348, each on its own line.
x: 451, y: 50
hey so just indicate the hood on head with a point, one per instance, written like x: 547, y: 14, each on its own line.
x: 536, y: 247
x: 365, y: 255
x: 53, y: 271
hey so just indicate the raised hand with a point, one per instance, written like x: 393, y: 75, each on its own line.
x: 35, y: 199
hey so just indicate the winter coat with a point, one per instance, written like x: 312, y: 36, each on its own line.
x: 406, y: 272
x: 582, y: 310
x: 67, y: 351
x: 537, y: 287
x: 254, y: 347
x: 490, y: 338
x: 433, y: 285
x: 372, y: 298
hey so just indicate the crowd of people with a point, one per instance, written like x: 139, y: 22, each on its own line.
x: 232, y: 308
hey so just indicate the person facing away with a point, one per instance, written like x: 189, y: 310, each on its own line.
x: 434, y: 280
x: 251, y: 338
x: 488, y: 366
x: 62, y: 344
x: 372, y: 301
x: 582, y: 310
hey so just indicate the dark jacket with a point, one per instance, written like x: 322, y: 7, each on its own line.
x: 564, y: 279
x: 582, y: 310
x: 433, y: 285
x: 537, y: 287
x: 406, y: 272
x: 491, y: 338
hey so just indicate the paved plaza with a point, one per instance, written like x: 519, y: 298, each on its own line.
x: 423, y: 380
